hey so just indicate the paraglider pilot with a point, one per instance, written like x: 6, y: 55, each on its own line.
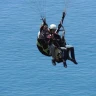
x: 51, y: 38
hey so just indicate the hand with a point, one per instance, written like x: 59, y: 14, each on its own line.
x: 64, y: 13
x: 56, y: 47
x: 44, y: 19
x: 60, y: 24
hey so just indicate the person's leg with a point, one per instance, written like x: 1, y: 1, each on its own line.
x: 70, y: 50
x: 52, y: 52
x: 64, y: 56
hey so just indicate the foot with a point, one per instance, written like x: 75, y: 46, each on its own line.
x: 64, y: 63
x: 53, y: 62
x: 74, y: 61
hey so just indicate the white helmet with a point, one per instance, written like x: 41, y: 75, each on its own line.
x: 52, y: 26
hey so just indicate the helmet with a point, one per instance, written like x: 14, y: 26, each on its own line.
x: 52, y: 26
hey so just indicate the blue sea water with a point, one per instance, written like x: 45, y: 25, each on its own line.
x: 24, y: 71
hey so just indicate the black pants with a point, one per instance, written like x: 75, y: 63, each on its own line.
x: 70, y: 52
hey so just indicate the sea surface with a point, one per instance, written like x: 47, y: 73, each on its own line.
x: 24, y: 71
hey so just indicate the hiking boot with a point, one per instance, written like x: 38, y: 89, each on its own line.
x: 54, y: 62
x: 64, y: 63
x: 74, y: 61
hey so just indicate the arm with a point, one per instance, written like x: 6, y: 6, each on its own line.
x: 61, y: 22
x: 63, y: 16
x: 43, y: 24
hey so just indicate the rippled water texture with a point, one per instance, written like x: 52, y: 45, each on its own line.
x: 24, y: 71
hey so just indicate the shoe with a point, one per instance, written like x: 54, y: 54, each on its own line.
x: 64, y: 63
x: 53, y: 62
x: 74, y: 61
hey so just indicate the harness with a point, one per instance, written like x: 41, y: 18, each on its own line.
x: 45, y: 50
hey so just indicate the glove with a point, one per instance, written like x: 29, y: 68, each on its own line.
x: 59, y: 25
x: 64, y: 14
